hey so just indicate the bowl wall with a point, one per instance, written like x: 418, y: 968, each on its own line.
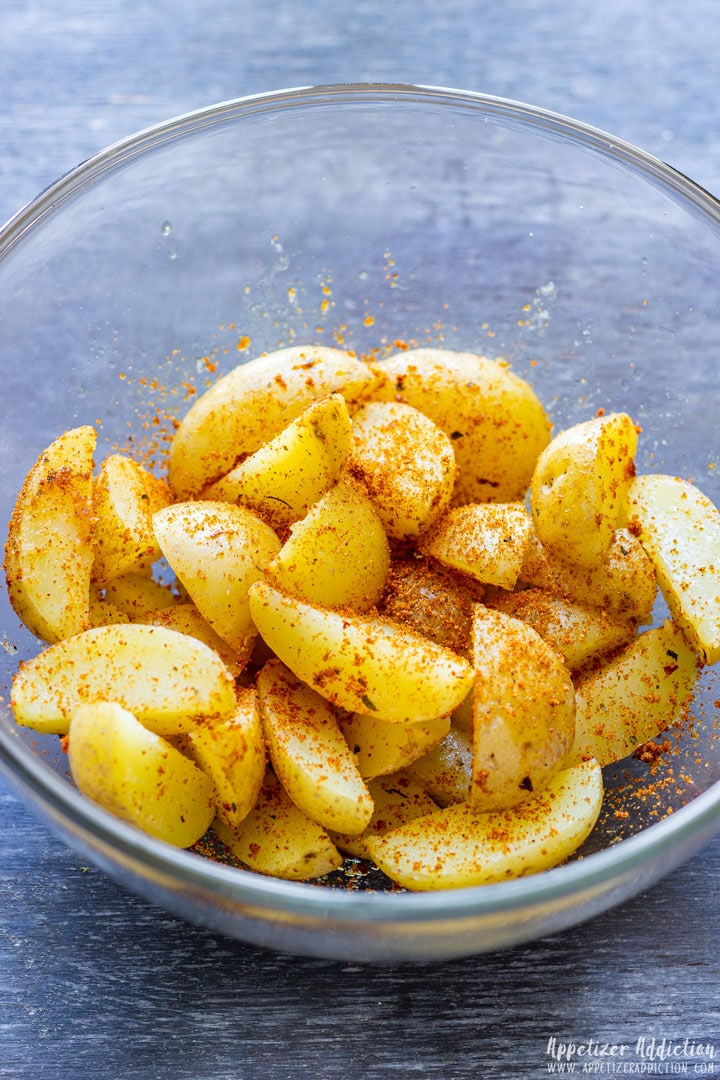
x: 371, y: 219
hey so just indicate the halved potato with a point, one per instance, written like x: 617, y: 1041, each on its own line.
x: 679, y: 527
x: 485, y: 540
x: 137, y: 775
x: 231, y: 751
x: 125, y: 497
x: 624, y: 583
x: 579, y: 633
x: 458, y: 846
x: 277, y: 838
x: 635, y: 696
x: 309, y: 754
x: 252, y: 404
x: 523, y: 711
x: 217, y: 550
x: 164, y: 678
x: 49, y: 555
x: 406, y: 463
x: 286, y: 476
x: 579, y: 486
x: 381, y: 748
x: 338, y: 555
x: 360, y: 663
x: 493, y: 417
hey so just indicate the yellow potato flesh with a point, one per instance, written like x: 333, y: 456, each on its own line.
x: 338, y: 555
x: 635, y: 696
x: 523, y: 711
x: 138, y: 776
x: 381, y: 748
x: 125, y: 496
x: 186, y: 619
x: 485, y: 540
x: 458, y: 847
x: 579, y: 486
x: 494, y: 419
x: 217, y: 550
x: 407, y: 464
x: 252, y: 404
x: 278, y: 839
x: 309, y: 754
x: 398, y: 799
x: 232, y: 753
x: 577, y: 632
x: 164, y: 678
x: 49, y: 555
x: 679, y: 527
x: 360, y: 663
x: 286, y: 476
x: 623, y: 583
x: 139, y: 595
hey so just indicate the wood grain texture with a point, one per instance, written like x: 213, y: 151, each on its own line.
x: 96, y: 983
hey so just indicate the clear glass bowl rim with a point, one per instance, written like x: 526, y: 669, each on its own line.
x: 663, y: 844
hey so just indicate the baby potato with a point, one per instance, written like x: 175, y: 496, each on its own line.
x: 679, y: 527
x: 164, y: 678
x: 406, y: 463
x: 458, y: 847
x: 286, y: 476
x: 623, y: 583
x: 577, y: 632
x: 309, y: 754
x: 494, y: 419
x: 635, y: 696
x: 125, y: 497
x: 49, y: 554
x: 361, y: 663
x: 523, y: 711
x: 485, y: 540
x: 579, y: 486
x: 398, y: 799
x: 338, y: 555
x: 231, y: 751
x: 252, y: 404
x: 137, y: 775
x: 217, y: 550
x: 380, y: 748
x: 278, y: 839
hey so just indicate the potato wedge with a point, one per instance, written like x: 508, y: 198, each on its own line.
x: 458, y: 846
x: 578, y: 633
x: 138, y: 596
x: 186, y: 619
x: 445, y: 773
x: 286, y: 476
x: 338, y: 555
x: 309, y: 754
x: 497, y: 425
x: 217, y: 550
x: 579, y: 486
x: 231, y: 751
x: 125, y: 497
x: 679, y: 527
x: 362, y: 664
x: 623, y: 584
x: 431, y: 600
x: 164, y: 678
x: 278, y: 839
x: 407, y: 464
x: 137, y: 775
x: 381, y: 748
x: 398, y: 799
x: 252, y: 404
x: 48, y: 554
x: 634, y: 697
x: 523, y: 711
x: 485, y: 540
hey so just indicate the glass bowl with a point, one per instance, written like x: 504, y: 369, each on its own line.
x: 369, y: 217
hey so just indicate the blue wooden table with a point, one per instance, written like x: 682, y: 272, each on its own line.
x: 96, y: 983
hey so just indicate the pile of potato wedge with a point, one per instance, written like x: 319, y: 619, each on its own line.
x: 403, y: 621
